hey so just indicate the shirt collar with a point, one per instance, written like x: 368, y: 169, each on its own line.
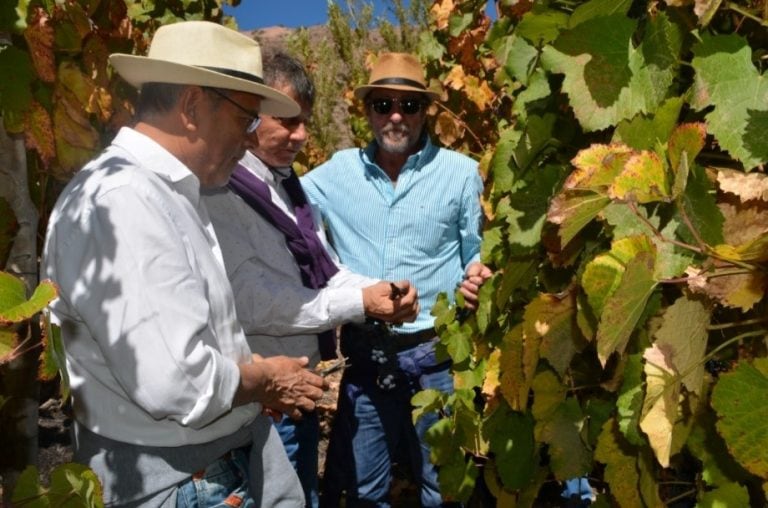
x: 150, y: 155
x: 256, y: 166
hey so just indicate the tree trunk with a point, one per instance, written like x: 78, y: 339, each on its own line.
x: 18, y: 378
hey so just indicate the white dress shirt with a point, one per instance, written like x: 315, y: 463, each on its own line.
x: 279, y: 315
x: 146, y: 311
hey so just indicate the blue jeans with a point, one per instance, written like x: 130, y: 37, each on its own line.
x: 373, y: 426
x: 223, y: 484
x: 301, y: 440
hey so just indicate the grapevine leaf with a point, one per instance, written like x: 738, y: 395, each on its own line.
x: 630, y: 400
x: 701, y: 209
x: 15, y: 87
x: 728, y: 494
x: 649, y: 484
x: 718, y: 466
x: 518, y: 59
x: 501, y: 170
x: 429, y: 47
x: 739, y: 399
x: 72, y: 483
x: 625, y: 306
x: 492, y: 250
x: 541, y: 25
x: 568, y: 455
x: 727, y: 79
x: 514, y: 386
x: 491, y: 388
x: 598, y: 166
x: 426, y: 401
x: 597, y: 8
x: 12, y: 292
x: 457, y: 24
x: 13, y: 16
x: 457, y: 339
x: 530, y: 203
x: 510, y: 435
x: 39, y: 133
x: 485, y: 307
x: 602, y: 276
x: 39, y: 37
x: 517, y: 274
x: 44, y: 293
x: 643, y: 180
x: 746, y: 232
x: 572, y: 210
x: 747, y: 186
x: 457, y: 478
x: 9, y: 340
x: 620, y: 466
x: 683, y: 336
x: 538, y: 88
x: 548, y: 394
x: 643, y: 132
x: 550, y: 317
x: 736, y: 290
x: 76, y: 139
x: 28, y: 486
x: 660, y: 408
x: 685, y: 143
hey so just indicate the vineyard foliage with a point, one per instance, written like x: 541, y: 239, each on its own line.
x: 623, y: 335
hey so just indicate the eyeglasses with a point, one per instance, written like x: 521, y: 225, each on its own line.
x: 407, y: 106
x: 255, y: 119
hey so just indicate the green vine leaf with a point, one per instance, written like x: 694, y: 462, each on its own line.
x: 727, y: 79
x: 562, y: 432
x: 620, y: 466
x: 15, y: 307
x: 644, y: 132
x: 683, y: 337
x: 739, y: 399
x: 625, y: 306
x: 629, y: 403
x: 15, y: 87
x: 510, y: 435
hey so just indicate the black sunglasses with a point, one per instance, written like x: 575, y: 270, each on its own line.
x: 255, y: 119
x: 407, y: 106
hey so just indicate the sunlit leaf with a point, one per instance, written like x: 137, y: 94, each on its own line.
x: 39, y: 133
x: 727, y: 79
x: 39, y: 37
x: 14, y: 311
x: 739, y: 398
x: 625, y: 306
x: 643, y: 180
x: 541, y: 25
x: 551, y: 318
x: 644, y: 132
x: 629, y: 404
x: 660, y: 408
x: 747, y: 186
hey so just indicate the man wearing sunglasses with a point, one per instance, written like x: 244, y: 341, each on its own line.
x: 401, y: 208
x: 290, y: 291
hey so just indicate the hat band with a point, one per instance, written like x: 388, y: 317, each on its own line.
x: 398, y: 81
x: 234, y: 74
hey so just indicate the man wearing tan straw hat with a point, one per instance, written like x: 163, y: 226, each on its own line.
x: 167, y: 397
x: 401, y: 208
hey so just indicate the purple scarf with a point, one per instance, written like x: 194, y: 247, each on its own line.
x: 315, y: 265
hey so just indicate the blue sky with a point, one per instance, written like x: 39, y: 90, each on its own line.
x: 253, y: 14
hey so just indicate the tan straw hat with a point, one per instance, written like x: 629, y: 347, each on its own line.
x: 202, y: 53
x: 396, y: 71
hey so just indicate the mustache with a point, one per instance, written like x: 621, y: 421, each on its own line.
x: 397, y: 129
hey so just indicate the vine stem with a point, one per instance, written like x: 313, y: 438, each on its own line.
x: 737, y: 8
x: 734, y: 324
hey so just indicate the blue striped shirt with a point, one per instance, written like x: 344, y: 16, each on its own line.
x: 426, y: 229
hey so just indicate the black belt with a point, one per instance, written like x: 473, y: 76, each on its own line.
x: 409, y: 340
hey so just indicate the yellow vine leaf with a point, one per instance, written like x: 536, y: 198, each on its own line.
x: 441, y: 12
x: 513, y: 383
x: 456, y: 78
x: 447, y: 129
x: 491, y: 384
x: 39, y: 37
x: 747, y: 186
x: 643, y: 180
x: 660, y: 407
x: 620, y: 466
x: 685, y: 143
x: 597, y: 166
x: 735, y: 290
x: 745, y: 231
x: 478, y: 92
x: 76, y: 139
x: 550, y: 318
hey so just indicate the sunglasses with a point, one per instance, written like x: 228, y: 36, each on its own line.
x: 255, y: 119
x: 407, y: 106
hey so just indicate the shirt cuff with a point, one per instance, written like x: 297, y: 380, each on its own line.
x: 345, y: 305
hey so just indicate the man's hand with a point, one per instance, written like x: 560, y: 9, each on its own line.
x: 476, y: 274
x: 392, y: 302
x: 281, y: 384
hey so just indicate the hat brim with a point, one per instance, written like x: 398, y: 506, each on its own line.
x: 137, y: 70
x: 361, y: 91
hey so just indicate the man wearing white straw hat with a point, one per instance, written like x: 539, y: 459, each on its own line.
x: 167, y: 397
x: 401, y: 208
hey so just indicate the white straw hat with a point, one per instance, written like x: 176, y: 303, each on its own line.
x: 202, y: 53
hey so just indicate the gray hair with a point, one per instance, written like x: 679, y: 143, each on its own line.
x: 283, y: 69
